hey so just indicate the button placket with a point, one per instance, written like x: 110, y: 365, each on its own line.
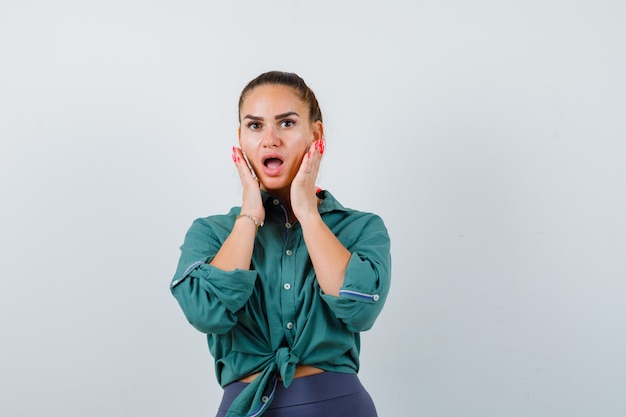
x: 288, y: 276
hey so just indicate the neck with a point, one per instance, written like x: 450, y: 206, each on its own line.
x: 285, y: 197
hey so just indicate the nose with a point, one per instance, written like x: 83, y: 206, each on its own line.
x: 271, y: 138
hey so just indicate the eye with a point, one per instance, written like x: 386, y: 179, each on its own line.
x: 254, y: 125
x: 287, y: 123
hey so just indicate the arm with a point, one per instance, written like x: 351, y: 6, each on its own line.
x: 236, y: 252
x: 213, y: 280
x: 209, y: 297
x: 353, y: 272
x: 329, y: 257
x: 367, y: 277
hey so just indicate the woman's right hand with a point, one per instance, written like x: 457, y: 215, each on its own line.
x: 236, y: 251
x: 252, y: 203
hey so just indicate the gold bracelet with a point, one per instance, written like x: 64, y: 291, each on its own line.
x: 258, y: 223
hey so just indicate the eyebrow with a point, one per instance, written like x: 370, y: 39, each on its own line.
x: 289, y: 113
x: 277, y: 117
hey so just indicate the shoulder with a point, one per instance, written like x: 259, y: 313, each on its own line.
x: 331, y: 204
x: 216, y: 223
x: 338, y: 216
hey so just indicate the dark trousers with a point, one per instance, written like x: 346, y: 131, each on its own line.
x: 329, y: 394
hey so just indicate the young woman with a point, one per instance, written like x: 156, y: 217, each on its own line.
x: 283, y: 284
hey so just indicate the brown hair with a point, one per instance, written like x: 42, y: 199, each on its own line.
x: 287, y: 79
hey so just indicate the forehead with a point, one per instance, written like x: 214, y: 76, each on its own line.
x: 272, y: 98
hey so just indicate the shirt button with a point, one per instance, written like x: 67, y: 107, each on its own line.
x: 276, y: 202
x: 288, y: 225
x: 375, y: 297
x: 287, y: 286
x: 290, y: 325
x: 265, y: 398
x: 289, y: 252
x: 175, y: 282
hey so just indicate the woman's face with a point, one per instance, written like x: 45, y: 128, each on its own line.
x: 275, y: 134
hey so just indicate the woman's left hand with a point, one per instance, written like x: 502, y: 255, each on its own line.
x: 303, y: 189
x: 328, y: 255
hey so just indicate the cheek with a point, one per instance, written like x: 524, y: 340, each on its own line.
x: 305, y: 139
x: 303, y: 148
x: 248, y: 143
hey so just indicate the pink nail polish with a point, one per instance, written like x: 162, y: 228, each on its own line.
x: 321, y: 147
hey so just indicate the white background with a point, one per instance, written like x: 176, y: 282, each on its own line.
x: 489, y: 135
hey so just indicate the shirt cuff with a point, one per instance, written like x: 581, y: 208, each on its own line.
x: 232, y: 288
x: 362, y: 296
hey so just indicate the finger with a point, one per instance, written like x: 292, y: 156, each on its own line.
x: 241, y: 164
x: 306, y: 169
x: 315, y: 157
x: 307, y: 173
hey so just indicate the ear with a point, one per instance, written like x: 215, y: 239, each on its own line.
x: 318, y: 130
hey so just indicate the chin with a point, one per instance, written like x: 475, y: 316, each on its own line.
x: 274, y: 184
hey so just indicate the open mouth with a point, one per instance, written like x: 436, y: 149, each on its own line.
x: 272, y: 162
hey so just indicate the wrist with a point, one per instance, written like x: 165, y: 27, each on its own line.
x: 258, y: 222
x: 310, y: 218
x: 253, y: 210
x: 253, y: 220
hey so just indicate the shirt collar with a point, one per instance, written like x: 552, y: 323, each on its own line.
x: 329, y: 202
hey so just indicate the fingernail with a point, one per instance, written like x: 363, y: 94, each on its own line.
x: 322, y: 147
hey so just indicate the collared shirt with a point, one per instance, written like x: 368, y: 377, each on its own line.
x: 275, y: 316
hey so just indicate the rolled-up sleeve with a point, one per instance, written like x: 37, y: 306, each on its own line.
x: 367, y: 278
x: 208, y: 296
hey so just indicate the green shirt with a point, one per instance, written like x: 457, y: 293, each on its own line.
x: 275, y: 316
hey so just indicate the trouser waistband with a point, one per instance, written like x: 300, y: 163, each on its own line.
x: 308, y: 389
